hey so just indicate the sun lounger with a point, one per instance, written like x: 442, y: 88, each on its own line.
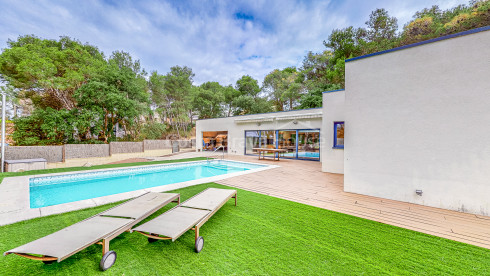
x: 99, y: 229
x: 191, y: 214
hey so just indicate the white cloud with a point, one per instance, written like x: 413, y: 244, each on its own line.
x: 205, y: 36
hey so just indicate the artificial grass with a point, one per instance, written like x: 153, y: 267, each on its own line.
x: 262, y: 235
x: 97, y: 167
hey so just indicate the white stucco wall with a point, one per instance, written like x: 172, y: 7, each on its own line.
x: 419, y: 118
x: 236, y: 131
x: 333, y: 111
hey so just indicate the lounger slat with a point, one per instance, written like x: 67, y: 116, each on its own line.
x: 73, y: 238
x: 139, y: 208
x: 173, y: 223
x: 209, y: 199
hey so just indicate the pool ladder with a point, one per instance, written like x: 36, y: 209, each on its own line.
x: 216, y: 156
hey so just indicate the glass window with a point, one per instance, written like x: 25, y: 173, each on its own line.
x: 309, y: 144
x: 251, y: 141
x: 338, y: 139
x: 267, y: 140
x: 287, y: 141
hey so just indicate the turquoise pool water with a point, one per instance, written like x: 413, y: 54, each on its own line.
x: 53, y: 190
x: 303, y: 154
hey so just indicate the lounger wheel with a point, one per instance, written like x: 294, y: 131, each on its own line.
x: 49, y: 262
x: 199, y: 244
x: 108, y: 260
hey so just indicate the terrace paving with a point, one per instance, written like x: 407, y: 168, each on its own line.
x: 304, y: 182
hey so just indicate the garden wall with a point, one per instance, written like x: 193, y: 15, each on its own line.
x: 86, y: 150
x: 55, y: 154
x: 157, y: 144
x: 185, y: 143
x: 126, y: 147
x: 50, y: 153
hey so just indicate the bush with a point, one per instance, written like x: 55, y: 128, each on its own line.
x: 44, y: 127
x: 152, y: 131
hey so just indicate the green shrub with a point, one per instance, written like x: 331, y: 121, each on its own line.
x: 152, y: 131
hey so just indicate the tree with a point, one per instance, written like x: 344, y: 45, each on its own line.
x: 314, y: 98
x: 50, y: 71
x: 283, y: 87
x: 45, y: 126
x: 381, y: 26
x: 119, y: 96
x: 159, y: 97
x: 246, y: 104
x: 315, y: 69
x: 152, y: 130
x: 248, y: 100
x: 177, y: 90
x: 249, y: 86
x: 434, y: 22
x: 207, y: 100
x: 417, y: 29
x: 433, y: 12
x: 229, y: 95
x: 346, y: 42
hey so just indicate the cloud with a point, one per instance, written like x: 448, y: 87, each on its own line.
x: 220, y: 41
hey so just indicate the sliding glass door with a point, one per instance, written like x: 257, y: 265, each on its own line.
x: 309, y: 144
x: 287, y: 140
x: 252, y: 141
x: 299, y: 144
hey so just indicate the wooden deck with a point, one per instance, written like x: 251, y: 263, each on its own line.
x: 303, y: 181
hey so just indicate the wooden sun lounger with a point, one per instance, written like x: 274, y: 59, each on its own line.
x: 191, y: 214
x: 99, y: 229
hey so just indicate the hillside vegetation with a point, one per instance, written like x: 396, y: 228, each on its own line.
x: 74, y: 93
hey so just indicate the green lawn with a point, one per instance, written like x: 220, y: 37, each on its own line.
x: 262, y: 235
x: 97, y: 167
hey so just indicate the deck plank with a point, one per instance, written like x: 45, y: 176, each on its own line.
x: 304, y: 182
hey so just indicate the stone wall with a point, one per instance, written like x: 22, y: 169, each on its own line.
x: 75, y: 151
x: 126, y: 147
x: 86, y: 150
x: 157, y: 144
x: 50, y: 153
x: 185, y: 143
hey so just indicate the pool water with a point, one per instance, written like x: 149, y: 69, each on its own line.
x: 303, y: 154
x: 58, y: 189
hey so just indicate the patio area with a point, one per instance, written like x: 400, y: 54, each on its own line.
x: 278, y: 218
x: 304, y: 182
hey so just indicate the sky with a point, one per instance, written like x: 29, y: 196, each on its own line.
x: 220, y: 40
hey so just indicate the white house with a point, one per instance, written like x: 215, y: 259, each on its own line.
x: 416, y: 120
x: 297, y: 131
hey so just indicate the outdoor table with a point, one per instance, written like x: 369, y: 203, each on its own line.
x: 264, y: 150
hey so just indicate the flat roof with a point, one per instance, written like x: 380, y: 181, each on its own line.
x: 333, y: 91
x: 477, y: 30
x: 261, y: 113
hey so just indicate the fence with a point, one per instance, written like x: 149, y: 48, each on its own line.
x: 73, y: 151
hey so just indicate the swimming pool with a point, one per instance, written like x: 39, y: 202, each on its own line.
x: 58, y: 189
